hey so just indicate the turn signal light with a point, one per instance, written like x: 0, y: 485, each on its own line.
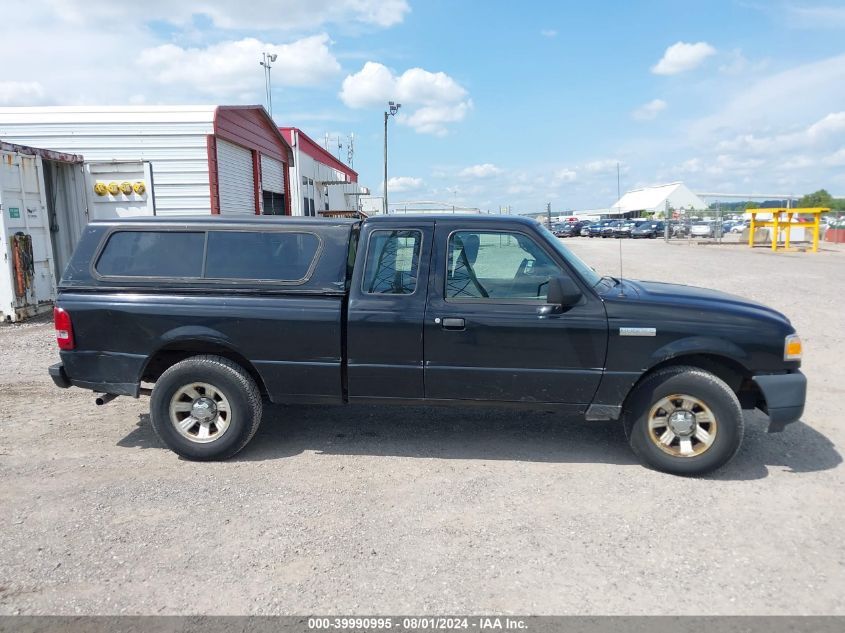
x: 64, y: 329
x: 792, y: 348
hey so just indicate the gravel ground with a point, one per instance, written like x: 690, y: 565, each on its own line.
x: 416, y: 510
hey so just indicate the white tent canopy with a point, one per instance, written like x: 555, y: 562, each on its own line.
x: 675, y: 195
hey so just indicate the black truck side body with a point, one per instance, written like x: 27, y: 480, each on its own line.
x: 325, y: 339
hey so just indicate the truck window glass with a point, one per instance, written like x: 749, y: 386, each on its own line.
x: 393, y: 259
x: 497, y: 265
x: 260, y: 255
x: 152, y: 254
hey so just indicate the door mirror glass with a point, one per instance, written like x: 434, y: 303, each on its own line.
x: 563, y: 292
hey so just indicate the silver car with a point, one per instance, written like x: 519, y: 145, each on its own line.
x: 701, y: 229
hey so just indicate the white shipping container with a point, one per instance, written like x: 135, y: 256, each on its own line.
x: 27, y: 279
x: 46, y: 199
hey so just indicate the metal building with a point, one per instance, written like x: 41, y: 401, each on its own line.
x: 200, y: 159
x: 320, y: 183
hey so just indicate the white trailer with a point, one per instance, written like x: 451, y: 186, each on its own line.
x: 46, y: 199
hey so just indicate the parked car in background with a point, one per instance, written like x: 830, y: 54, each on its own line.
x: 571, y: 229
x: 678, y: 229
x: 650, y: 229
x: 701, y: 229
x: 728, y: 225
x: 610, y: 228
x: 558, y: 229
x: 585, y: 230
x: 597, y: 227
x: 740, y: 226
x: 624, y: 229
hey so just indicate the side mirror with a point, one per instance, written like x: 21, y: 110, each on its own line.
x: 562, y: 293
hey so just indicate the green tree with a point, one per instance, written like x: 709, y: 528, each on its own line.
x: 752, y: 205
x: 820, y: 198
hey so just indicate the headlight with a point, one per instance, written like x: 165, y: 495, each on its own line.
x: 792, y: 347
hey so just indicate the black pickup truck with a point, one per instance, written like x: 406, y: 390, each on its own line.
x: 220, y: 313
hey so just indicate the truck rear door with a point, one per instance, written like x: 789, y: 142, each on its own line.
x: 484, y: 337
x: 387, y: 310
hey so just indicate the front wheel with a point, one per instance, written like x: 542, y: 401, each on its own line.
x: 205, y: 408
x: 683, y: 421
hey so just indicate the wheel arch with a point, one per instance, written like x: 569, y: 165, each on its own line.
x: 181, y: 347
x: 727, y: 368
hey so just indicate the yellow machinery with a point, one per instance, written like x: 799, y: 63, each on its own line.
x: 779, y: 222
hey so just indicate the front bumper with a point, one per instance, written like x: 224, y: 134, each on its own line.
x: 785, y: 395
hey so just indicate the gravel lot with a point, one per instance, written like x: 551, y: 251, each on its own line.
x: 415, y: 510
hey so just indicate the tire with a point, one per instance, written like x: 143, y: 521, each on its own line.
x: 224, y: 389
x: 699, y: 447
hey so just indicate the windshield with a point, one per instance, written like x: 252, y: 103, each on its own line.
x: 590, y: 276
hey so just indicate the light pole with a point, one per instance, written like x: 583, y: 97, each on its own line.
x: 268, y: 59
x: 392, y: 109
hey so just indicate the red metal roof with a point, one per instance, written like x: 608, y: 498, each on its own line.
x: 310, y: 147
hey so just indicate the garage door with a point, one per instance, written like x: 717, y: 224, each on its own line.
x: 235, y: 179
x: 272, y: 174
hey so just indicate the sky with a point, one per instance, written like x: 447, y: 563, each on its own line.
x: 503, y: 103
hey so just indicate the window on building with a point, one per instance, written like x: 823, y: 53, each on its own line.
x: 274, y: 203
x: 260, y: 255
x: 497, y: 265
x: 392, y: 262
x: 152, y: 254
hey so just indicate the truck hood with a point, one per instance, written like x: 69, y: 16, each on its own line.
x: 705, y: 299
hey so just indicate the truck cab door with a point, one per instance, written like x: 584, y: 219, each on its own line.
x: 486, y: 336
x: 387, y: 309
x: 119, y: 189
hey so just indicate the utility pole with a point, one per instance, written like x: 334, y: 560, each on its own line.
x: 549, y: 213
x: 392, y: 109
x: 268, y: 94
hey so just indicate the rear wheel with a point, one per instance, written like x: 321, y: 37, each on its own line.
x: 205, y: 408
x: 684, y: 421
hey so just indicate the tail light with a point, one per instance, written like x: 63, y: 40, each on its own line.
x: 64, y: 329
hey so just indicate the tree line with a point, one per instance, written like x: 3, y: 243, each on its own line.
x: 820, y: 198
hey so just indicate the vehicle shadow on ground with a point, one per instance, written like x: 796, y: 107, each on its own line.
x: 431, y: 432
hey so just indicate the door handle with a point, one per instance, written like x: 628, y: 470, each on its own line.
x: 452, y: 323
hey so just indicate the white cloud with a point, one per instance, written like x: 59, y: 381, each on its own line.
x: 401, y: 184
x: 760, y: 106
x: 433, y: 119
x: 430, y: 100
x: 564, y: 175
x: 736, y: 63
x: 649, y: 111
x: 235, y: 14
x: 550, y: 33
x: 230, y: 68
x: 819, y: 16
x: 833, y: 123
x: 681, y: 57
x: 22, y: 93
x: 108, y: 38
x: 485, y: 170
x: 604, y: 165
